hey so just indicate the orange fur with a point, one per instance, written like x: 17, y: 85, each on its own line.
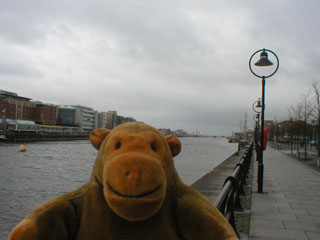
x: 20, y: 231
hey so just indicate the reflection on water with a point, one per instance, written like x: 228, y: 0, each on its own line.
x: 199, y: 155
x: 48, y: 169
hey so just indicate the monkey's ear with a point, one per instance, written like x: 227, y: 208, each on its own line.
x: 97, y: 136
x: 174, y: 144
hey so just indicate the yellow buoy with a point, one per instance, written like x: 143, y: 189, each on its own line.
x: 22, y: 148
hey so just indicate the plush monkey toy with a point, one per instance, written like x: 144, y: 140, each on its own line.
x: 134, y: 193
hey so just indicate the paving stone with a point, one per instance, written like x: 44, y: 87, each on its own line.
x: 263, y: 224
x: 310, y: 202
x: 302, y: 211
x: 283, y: 234
x: 290, y: 201
x: 262, y: 208
x: 305, y: 206
x: 314, y: 212
x: 297, y: 197
x: 313, y: 235
x: 276, y: 195
x: 272, y: 216
x: 310, y: 219
x: 271, y: 203
x: 295, y: 225
x: 263, y: 238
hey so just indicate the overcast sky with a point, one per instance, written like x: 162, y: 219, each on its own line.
x: 172, y: 64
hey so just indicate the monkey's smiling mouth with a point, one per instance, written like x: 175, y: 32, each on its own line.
x: 134, y: 196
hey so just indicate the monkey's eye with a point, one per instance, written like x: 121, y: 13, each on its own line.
x: 153, y: 147
x: 118, y: 145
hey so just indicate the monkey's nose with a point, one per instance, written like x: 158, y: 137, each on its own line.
x: 133, y: 175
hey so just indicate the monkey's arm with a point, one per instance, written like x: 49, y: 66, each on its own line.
x: 55, y: 219
x: 199, y: 219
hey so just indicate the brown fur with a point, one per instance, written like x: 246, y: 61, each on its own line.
x: 134, y: 193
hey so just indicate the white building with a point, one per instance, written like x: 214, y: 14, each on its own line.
x: 86, y: 118
x: 102, y: 121
x: 111, y: 118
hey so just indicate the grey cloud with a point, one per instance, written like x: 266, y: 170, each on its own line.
x: 169, y: 63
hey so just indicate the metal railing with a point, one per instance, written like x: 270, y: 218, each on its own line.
x: 228, y: 199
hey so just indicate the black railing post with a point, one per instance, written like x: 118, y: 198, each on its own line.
x: 228, y: 199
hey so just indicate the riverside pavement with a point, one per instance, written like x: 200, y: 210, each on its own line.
x: 289, y: 207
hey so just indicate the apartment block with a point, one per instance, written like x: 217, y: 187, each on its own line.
x: 23, y: 105
x: 86, y: 118
x: 102, y: 120
x: 111, y: 119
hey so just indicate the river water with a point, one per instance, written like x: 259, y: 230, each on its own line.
x: 48, y: 169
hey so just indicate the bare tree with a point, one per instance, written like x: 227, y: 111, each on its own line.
x: 307, y: 110
x: 316, y: 91
x: 295, y: 114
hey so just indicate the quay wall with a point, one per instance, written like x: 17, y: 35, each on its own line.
x: 211, y: 184
x: 25, y: 136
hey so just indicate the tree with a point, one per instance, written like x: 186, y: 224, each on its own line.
x: 295, y: 115
x: 316, y: 91
x: 307, y: 110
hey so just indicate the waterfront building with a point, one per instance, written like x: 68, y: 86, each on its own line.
x: 129, y: 119
x: 111, y: 119
x: 7, y: 110
x: 16, y: 107
x: 86, y: 117
x: 23, y: 106
x: 119, y: 120
x: 102, y: 120
x: 67, y: 116
x: 80, y: 116
x: 45, y: 113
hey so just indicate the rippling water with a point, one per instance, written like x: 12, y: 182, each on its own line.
x: 48, y: 169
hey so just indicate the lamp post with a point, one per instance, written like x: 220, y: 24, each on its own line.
x: 255, y: 106
x: 256, y: 126
x: 262, y: 62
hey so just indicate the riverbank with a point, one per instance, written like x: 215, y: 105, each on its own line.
x: 210, y: 184
x: 25, y: 136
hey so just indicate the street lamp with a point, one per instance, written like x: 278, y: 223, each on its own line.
x: 262, y: 62
x: 256, y: 107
